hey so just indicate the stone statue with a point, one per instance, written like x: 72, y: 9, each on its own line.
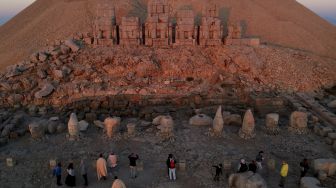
x: 247, y: 131
x: 218, y: 122
x: 73, y: 126
x: 111, y: 125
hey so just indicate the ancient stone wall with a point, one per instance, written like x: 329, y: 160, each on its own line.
x: 130, y: 31
x: 186, y: 32
x: 211, y: 29
x: 105, y: 29
x: 158, y: 29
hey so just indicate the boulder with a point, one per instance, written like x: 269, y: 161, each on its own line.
x: 36, y: 129
x: 73, y: 126
x: 298, y: 122
x: 310, y: 182
x: 111, y: 125
x: 58, y: 74
x: 200, y: 120
x: 247, y: 131
x: 326, y: 165
x: 157, y: 120
x: 332, y: 104
x: 218, y: 122
x: 43, y: 56
x: 72, y: 45
x: 246, y: 180
x: 99, y: 124
x: 46, y: 90
x: 83, y: 125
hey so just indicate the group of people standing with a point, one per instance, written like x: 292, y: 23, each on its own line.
x: 104, y: 168
x: 256, y: 165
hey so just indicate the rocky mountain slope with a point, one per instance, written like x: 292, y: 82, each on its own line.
x: 285, y: 23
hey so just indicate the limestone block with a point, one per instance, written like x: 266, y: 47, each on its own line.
x: 246, y: 180
x: 182, y: 164
x: 298, y: 122
x: 200, y: 120
x: 73, y: 125
x: 166, y: 125
x: 111, y: 125
x: 310, y: 182
x: 218, y: 121
x: 72, y: 45
x: 131, y: 128
x: 10, y: 162
x: 36, y: 129
x: 247, y: 131
x: 46, y: 90
x: 83, y: 125
x: 326, y: 165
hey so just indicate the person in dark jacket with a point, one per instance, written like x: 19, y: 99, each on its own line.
x: 58, y: 173
x: 71, y: 178
x: 259, y: 159
x: 242, y: 166
x: 219, y: 171
x: 132, y: 159
x: 304, y: 167
x: 253, y: 166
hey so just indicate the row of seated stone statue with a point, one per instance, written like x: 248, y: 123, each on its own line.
x: 158, y: 30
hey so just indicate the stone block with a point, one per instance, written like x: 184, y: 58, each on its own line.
x: 10, y: 162
x: 326, y: 165
x: 310, y: 182
x: 182, y: 165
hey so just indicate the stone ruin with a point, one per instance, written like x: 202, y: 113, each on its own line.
x: 186, y: 31
x: 105, y: 29
x: 211, y: 29
x: 158, y: 28
x: 130, y: 31
x: 235, y: 36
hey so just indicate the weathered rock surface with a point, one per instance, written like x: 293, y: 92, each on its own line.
x: 310, y: 182
x: 72, y: 45
x: 200, y: 120
x: 332, y: 104
x: 247, y: 130
x: 326, y: 165
x: 298, y: 122
x: 246, y: 180
x: 83, y: 125
x: 46, y: 90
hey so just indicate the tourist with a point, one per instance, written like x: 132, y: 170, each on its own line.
x: 242, y: 167
x: 112, y: 163
x: 117, y: 183
x: 71, y: 178
x: 253, y: 166
x: 283, y: 174
x: 84, y: 170
x: 101, y: 168
x: 259, y: 159
x: 219, y: 171
x: 304, y: 167
x: 132, y: 159
x: 171, y: 162
x: 58, y: 173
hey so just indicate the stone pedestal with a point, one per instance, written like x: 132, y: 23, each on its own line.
x: 272, y: 121
x: 131, y: 129
x: 247, y: 131
x: 298, y: 122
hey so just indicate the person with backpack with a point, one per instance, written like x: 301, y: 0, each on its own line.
x: 132, y: 159
x: 57, y: 171
x: 219, y: 171
x: 242, y: 167
x: 171, y: 163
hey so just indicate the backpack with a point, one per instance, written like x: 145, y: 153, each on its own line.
x: 172, y: 164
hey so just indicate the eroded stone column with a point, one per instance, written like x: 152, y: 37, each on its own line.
x: 218, y: 122
x: 73, y: 126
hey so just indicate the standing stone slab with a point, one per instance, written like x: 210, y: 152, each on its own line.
x: 218, y: 122
x: 73, y: 127
x: 247, y: 131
